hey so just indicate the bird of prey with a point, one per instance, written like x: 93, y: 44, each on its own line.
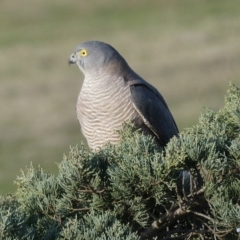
x: 112, y: 94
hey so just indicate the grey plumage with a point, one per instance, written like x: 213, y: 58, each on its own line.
x: 112, y: 93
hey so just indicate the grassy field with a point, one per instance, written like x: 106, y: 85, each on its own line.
x: 190, y: 50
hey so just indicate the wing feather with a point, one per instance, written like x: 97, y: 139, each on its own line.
x: 154, y: 111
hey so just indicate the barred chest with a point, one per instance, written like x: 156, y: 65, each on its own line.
x: 102, y: 107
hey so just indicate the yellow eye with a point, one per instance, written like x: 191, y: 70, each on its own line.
x: 83, y: 53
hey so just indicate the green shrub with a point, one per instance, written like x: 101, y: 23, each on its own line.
x: 134, y: 190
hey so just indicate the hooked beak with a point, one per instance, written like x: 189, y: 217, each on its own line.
x: 72, y: 59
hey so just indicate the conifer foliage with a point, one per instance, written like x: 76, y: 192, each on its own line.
x: 136, y: 190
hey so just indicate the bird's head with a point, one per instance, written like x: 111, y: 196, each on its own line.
x: 95, y: 56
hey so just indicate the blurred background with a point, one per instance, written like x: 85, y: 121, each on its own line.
x: 189, y: 50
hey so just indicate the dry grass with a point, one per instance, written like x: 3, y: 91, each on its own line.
x: 190, y: 51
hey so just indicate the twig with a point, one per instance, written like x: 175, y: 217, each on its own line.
x: 174, y: 213
x: 164, y: 221
x: 185, y: 231
x: 201, y: 215
x: 92, y: 191
x: 81, y: 209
